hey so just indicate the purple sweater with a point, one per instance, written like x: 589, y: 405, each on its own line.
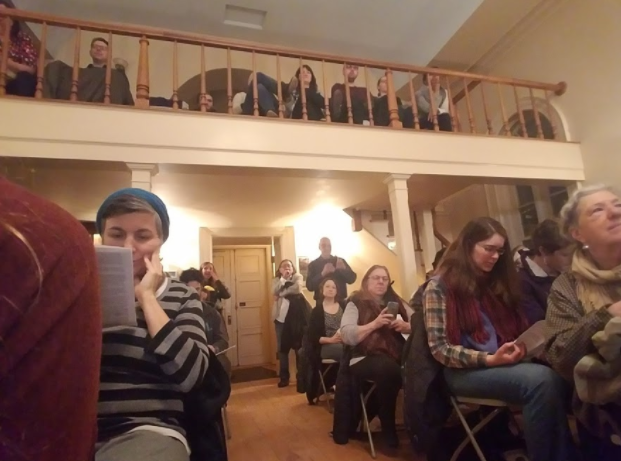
x: 535, y: 291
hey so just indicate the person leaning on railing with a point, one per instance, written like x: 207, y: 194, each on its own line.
x: 584, y: 311
x: 23, y: 56
x: 431, y: 85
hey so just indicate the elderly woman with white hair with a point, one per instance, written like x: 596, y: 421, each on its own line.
x: 584, y: 309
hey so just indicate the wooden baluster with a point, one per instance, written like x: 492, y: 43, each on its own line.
x: 369, y: 103
x: 505, y: 121
x: 519, y: 111
x: 229, y: 81
x: 533, y: 101
x: 432, y: 104
x: 551, y: 115
x: 458, y: 120
x: 5, y: 55
x: 414, y: 104
x: 350, y: 114
x: 108, y: 78
x: 75, y: 74
x: 451, y: 105
x: 393, y: 107
x: 302, y: 90
x: 142, y: 83
x: 41, y: 63
x: 175, y: 95
x: 326, y: 99
x: 255, y: 89
x: 485, y: 111
x: 203, y: 94
x: 471, y: 119
x: 281, y: 112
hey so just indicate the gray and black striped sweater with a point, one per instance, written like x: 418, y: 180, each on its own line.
x: 144, y: 379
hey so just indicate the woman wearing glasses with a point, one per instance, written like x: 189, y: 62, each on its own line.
x: 473, y: 317
x: 376, y: 340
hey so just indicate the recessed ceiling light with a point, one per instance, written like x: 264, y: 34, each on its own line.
x: 244, y: 17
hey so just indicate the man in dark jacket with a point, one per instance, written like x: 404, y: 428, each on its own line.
x: 327, y: 265
x: 215, y: 330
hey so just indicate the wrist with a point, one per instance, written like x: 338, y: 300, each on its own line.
x: 145, y: 298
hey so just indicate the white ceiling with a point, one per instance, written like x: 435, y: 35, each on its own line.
x: 405, y: 31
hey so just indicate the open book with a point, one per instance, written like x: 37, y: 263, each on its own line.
x: 534, y: 339
x: 116, y: 280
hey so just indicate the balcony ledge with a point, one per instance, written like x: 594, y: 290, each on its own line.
x: 63, y: 130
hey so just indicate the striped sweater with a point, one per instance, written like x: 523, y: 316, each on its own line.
x: 144, y: 379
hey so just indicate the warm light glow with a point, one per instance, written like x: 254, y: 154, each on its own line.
x: 325, y: 221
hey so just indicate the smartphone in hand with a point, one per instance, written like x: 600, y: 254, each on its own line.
x: 392, y: 308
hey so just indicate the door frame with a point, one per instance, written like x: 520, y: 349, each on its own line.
x: 269, y: 339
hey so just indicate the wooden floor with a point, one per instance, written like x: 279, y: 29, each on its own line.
x: 272, y: 424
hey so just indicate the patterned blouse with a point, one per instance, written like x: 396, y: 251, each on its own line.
x: 449, y: 355
x: 23, y: 51
x: 333, y: 322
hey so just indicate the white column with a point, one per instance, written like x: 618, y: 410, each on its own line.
x: 142, y: 173
x: 205, y: 245
x: 427, y: 238
x: 287, y: 245
x: 400, y: 207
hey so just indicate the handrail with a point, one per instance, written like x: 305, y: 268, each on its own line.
x: 241, y: 45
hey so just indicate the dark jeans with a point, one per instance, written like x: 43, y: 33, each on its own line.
x: 541, y: 393
x: 267, y: 87
x: 283, y: 357
x: 444, y: 122
x: 24, y: 84
x: 595, y: 449
x: 386, y: 374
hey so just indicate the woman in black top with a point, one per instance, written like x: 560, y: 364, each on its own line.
x: 217, y: 291
x: 314, y: 99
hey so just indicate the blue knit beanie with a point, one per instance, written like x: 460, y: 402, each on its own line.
x: 149, y: 197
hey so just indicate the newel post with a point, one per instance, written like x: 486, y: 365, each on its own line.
x: 393, y: 108
x: 142, y: 84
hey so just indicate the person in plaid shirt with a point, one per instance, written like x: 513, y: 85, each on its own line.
x: 23, y: 56
x: 473, y: 317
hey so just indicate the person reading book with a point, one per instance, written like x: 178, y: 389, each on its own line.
x: 473, y: 318
x: 147, y: 370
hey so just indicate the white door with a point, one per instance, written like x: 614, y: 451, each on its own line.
x: 244, y: 271
x: 250, y: 297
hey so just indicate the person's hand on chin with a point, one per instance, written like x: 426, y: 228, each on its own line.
x: 152, y: 279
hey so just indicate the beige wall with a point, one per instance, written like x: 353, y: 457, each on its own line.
x: 577, y: 43
x: 82, y: 191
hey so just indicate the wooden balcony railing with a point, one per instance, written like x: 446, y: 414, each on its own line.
x: 450, y: 101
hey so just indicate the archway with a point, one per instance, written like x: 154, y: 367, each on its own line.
x: 216, y: 80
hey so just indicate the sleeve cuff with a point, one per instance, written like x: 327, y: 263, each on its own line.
x: 482, y: 359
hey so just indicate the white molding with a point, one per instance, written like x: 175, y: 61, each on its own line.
x: 163, y: 137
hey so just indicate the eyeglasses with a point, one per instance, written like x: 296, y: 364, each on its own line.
x: 377, y: 278
x: 491, y: 249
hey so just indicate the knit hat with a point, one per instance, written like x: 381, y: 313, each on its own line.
x: 149, y: 197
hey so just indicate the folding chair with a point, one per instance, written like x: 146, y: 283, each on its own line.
x: 364, y: 398
x: 498, y: 405
x: 326, y: 366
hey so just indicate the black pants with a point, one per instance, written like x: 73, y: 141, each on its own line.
x: 385, y: 372
x: 444, y: 122
x: 24, y: 84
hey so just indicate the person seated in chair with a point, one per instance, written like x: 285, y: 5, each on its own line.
x: 217, y: 336
x: 149, y: 369
x: 583, y: 320
x: 473, y: 317
x: 23, y: 57
x: 376, y: 338
x: 431, y: 86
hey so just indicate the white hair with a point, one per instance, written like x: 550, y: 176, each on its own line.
x: 569, y: 212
